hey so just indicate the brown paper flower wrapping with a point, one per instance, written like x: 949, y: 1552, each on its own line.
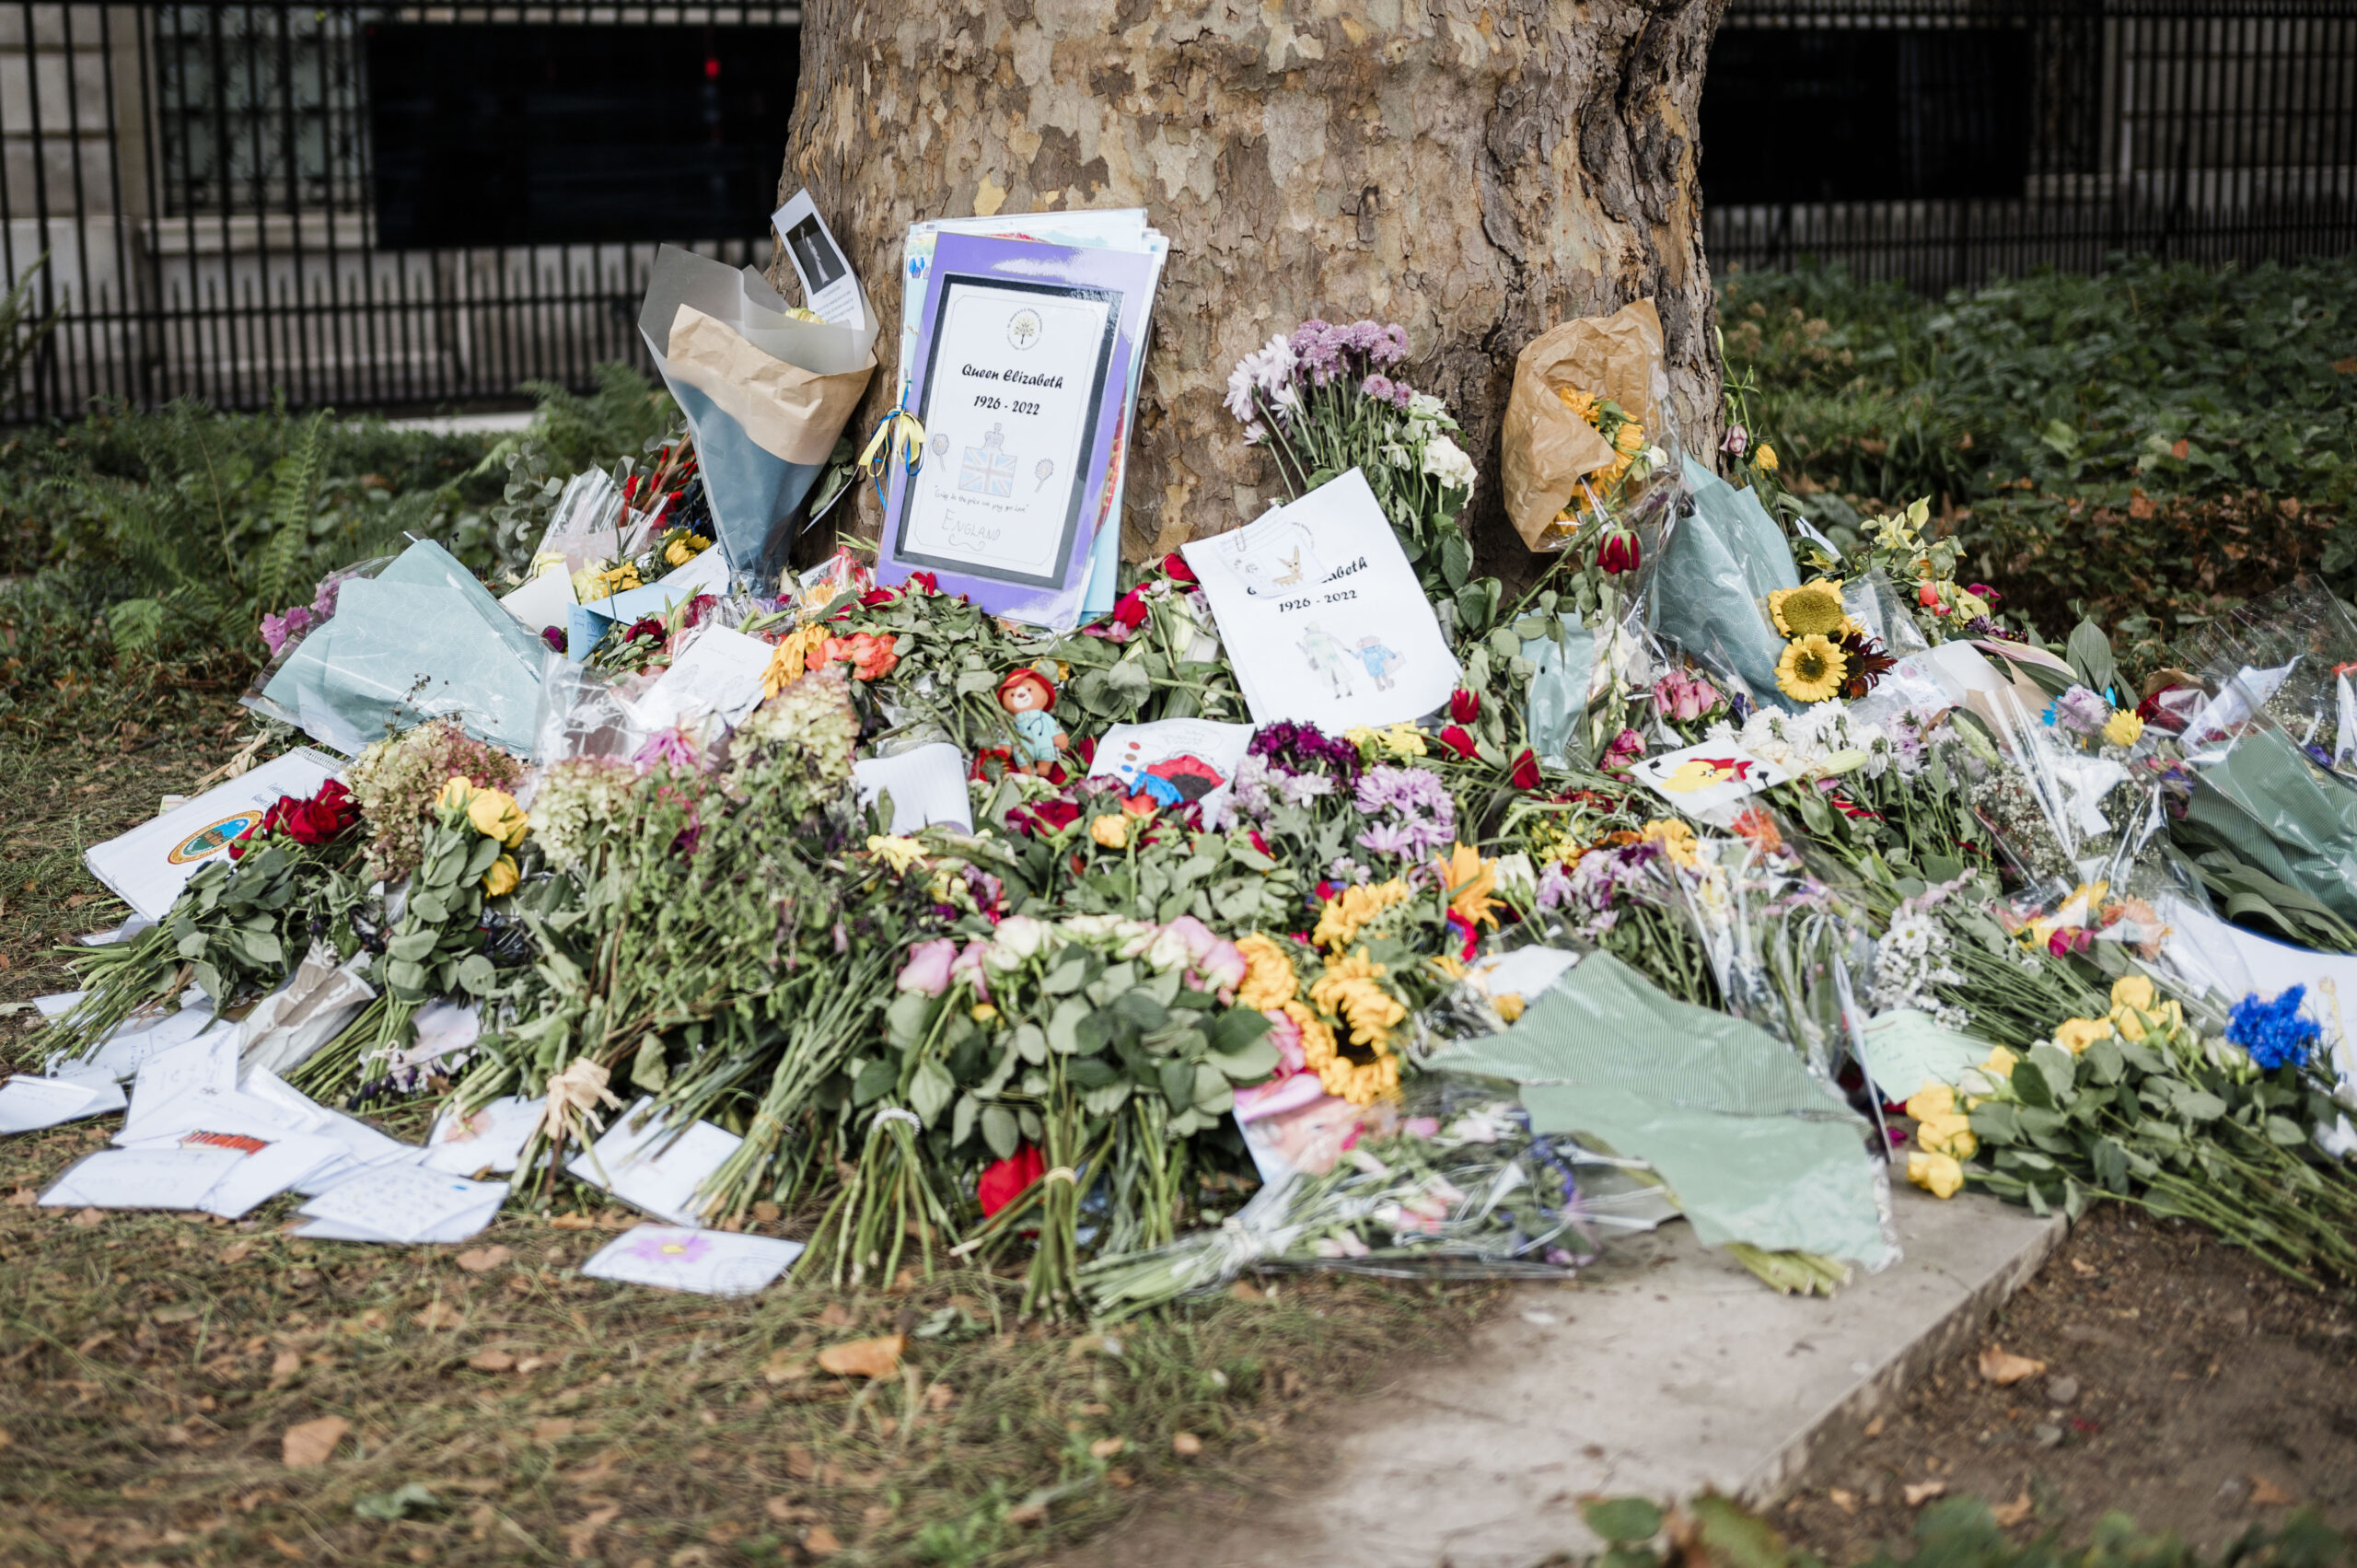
x: 787, y: 411
x: 1546, y: 447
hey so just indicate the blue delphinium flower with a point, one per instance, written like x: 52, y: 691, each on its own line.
x: 2273, y: 1033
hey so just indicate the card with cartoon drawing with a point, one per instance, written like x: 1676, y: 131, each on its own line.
x: 1322, y: 616
x: 1702, y: 780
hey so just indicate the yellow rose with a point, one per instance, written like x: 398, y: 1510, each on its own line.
x: 456, y: 793
x: 1933, y: 1099
x: 501, y: 880
x: 1950, y: 1135
x: 2134, y: 991
x: 496, y: 816
x: 1111, y: 830
x: 2074, y: 1035
x: 1937, y: 1173
x: 984, y: 1013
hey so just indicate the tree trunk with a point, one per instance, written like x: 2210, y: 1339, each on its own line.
x: 1475, y: 171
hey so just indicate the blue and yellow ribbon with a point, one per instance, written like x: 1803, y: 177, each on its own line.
x: 898, y: 429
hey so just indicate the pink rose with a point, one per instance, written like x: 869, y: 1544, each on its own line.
x: 927, y: 970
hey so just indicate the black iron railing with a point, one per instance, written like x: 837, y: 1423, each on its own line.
x: 1947, y: 141
x: 369, y: 205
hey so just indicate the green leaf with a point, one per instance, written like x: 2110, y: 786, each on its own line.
x: 2089, y: 652
x: 1063, y: 1025
x: 1031, y: 1043
x: 476, y: 975
x: 1250, y: 1065
x: 1066, y: 977
x: 2280, y: 1130
x: 909, y: 1019
x: 648, y: 1070
x: 412, y: 946
x: 962, y: 1122
x: 429, y: 907
x: 999, y: 1129
x: 931, y: 1090
x: 2197, y: 1106
x: 1622, y: 1519
x: 1179, y: 1084
x: 877, y: 1078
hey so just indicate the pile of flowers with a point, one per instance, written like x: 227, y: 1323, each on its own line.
x: 1083, y: 1019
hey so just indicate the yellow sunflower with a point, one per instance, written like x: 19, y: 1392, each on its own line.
x: 1360, y: 1072
x: 1269, y: 980
x: 1811, y: 670
x: 1348, y: 912
x: 1811, y: 608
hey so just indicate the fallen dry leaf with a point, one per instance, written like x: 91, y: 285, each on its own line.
x: 285, y: 1547
x: 88, y: 1219
x: 822, y: 1542
x: 939, y: 1397
x: 786, y: 1367
x: 439, y: 1315
x: 1845, y: 1500
x: 835, y: 1315
x: 1923, y: 1492
x: 2004, y: 1368
x: 573, y: 1222
x: 2013, y: 1513
x: 578, y: 1537
x: 879, y: 1357
x: 1186, y: 1444
x: 786, y: 1511
x: 24, y: 1196
x: 236, y: 1252
x: 1106, y: 1447
x: 308, y: 1445
x: 2266, y: 1493
x: 284, y: 1366
x: 482, y: 1260
x: 492, y: 1361
x: 800, y: 1462
x: 1873, y: 1428
x: 555, y: 1429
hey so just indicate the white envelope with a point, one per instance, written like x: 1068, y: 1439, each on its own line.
x: 493, y: 1138
x: 404, y: 1203
x: 542, y: 603
x: 172, y: 1177
x: 26, y: 1105
x: 654, y: 1166
x: 713, y: 1262
x: 720, y: 673
x: 927, y: 784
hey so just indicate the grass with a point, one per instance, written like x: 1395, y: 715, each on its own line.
x: 151, y: 1365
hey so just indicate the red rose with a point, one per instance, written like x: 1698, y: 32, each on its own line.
x: 1457, y: 740
x: 1004, y: 1180
x: 1085, y: 750
x: 1525, y: 769
x: 1174, y: 567
x: 1258, y: 843
x: 924, y: 582
x: 1131, y: 611
x: 1464, y: 706
x: 1047, y: 816
x: 1619, y: 554
x: 878, y: 595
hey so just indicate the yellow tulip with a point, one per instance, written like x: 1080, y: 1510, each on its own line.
x: 495, y: 815
x: 501, y: 880
x: 1937, y: 1173
x: 2074, y: 1035
x: 1111, y: 830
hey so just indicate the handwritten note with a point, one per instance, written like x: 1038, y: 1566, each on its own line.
x: 712, y: 1262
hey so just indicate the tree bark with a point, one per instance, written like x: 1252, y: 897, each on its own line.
x: 1477, y: 171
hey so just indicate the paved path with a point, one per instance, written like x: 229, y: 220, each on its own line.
x: 1664, y: 1371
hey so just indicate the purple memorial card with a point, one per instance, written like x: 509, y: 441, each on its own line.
x: 1021, y: 382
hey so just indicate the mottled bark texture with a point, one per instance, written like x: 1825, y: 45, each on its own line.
x: 1477, y: 171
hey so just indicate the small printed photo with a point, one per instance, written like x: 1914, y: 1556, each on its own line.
x: 814, y: 253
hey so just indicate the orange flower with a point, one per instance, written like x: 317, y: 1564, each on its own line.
x: 1467, y: 878
x: 871, y: 657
